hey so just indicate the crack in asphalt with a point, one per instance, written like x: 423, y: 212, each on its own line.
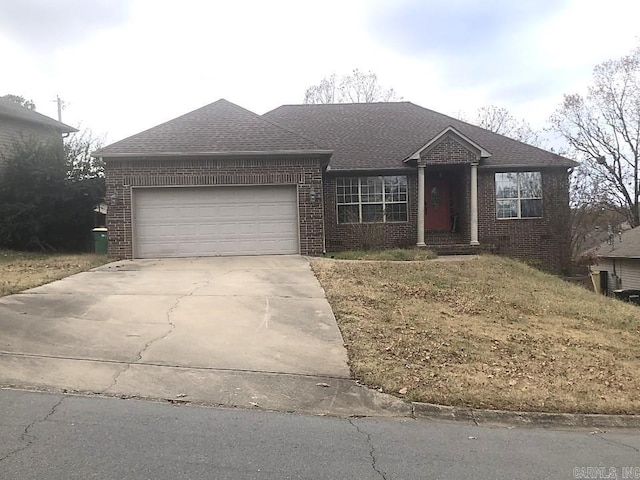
x: 172, y: 327
x: 372, y: 450
x: 615, y: 442
x: 28, y: 437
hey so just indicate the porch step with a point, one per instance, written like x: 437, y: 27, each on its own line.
x: 461, y: 249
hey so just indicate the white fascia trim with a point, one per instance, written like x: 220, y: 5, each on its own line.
x: 449, y: 129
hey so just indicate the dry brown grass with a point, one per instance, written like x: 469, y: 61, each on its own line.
x: 391, y: 254
x: 487, y: 333
x: 22, y: 270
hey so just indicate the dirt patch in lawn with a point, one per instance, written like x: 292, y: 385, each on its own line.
x: 488, y: 332
x: 22, y: 270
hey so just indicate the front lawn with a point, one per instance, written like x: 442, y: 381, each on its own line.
x: 487, y: 332
x: 22, y: 270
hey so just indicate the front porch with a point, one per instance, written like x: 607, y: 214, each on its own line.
x: 445, y: 209
x: 448, y: 189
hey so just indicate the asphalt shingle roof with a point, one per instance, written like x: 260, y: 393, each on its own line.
x: 218, y: 128
x: 383, y: 135
x: 629, y: 247
x: 11, y: 109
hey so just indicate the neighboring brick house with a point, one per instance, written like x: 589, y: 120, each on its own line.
x: 19, y: 124
x: 314, y: 178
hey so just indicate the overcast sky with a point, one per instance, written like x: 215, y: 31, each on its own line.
x: 123, y: 66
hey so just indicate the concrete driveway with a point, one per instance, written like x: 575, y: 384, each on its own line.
x: 238, y: 331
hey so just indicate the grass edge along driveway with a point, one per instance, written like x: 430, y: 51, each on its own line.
x: 23, y: 270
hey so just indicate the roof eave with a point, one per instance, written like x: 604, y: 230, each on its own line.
x: 522, y: 165
x: 98, y: 153
x: 398, y: 168
x: 59, y: 126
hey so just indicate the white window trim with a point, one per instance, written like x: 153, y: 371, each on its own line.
x: 519, y: 198
x: 384, y: 202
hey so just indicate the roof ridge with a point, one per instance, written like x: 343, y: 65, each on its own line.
x: 160, y: 124
x: 336, y: 104
x: 290, y: 131
x: 261, y: 117
x: 218, y: 127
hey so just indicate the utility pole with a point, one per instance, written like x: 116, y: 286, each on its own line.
x: 60, y: 103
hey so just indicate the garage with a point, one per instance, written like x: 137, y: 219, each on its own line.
x: 215, y: 221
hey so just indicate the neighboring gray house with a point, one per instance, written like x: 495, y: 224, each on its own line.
x: 618, y: 262
x: 19, y: 124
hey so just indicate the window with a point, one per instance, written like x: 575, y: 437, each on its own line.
x: 435, y: 198
x: 519, y: 195
x: 371, y: 199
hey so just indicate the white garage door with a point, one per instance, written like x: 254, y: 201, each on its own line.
x: 209, y: 221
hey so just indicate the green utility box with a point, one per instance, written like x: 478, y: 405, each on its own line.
x: 100, y: 240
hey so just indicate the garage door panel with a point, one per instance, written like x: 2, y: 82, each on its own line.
x: 207, y: 221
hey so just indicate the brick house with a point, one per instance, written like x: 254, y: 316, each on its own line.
x: 307, y: 179
x: 19, y: 124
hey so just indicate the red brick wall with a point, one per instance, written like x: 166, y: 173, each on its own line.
x: 542, y: 240
x: 346, y: 236
x: 123, y: 174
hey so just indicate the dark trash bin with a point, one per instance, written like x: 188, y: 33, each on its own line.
x: 100, y: 240
x: 630, y: 295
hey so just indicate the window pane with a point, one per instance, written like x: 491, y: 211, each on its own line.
x: 371, y: 188
x: 353, y: 193
x: 348, y: 214
x: 347, y: 190
x: 396, y: 212
x: 506, y: 185
x: 395, y: 189
x: 531, y: 208
x: 530, y: 185
x: 372, y: 213
x: 507, y: 208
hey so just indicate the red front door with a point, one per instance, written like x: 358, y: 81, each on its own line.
x: 437, y: 214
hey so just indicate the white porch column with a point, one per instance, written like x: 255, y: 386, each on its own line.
x: 474, y: 204
x: 421, y: 206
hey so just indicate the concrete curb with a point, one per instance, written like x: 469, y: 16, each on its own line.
x: 532, y: 419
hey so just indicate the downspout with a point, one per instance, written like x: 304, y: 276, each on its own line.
x: 324, y: 218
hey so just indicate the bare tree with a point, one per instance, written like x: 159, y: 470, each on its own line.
x: 500, y: 120
x: 358, y: 87
x: 78, y: 149
x: 603, y: 129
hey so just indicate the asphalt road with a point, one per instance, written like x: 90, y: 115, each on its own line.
x: 47, y: 436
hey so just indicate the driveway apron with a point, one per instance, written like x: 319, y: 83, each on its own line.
x: 237, y: 331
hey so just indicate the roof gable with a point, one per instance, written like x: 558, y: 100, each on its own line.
x: 216, y: 129
x: 383, y: 135
x: 449, y: 132
x: 13, y: 110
